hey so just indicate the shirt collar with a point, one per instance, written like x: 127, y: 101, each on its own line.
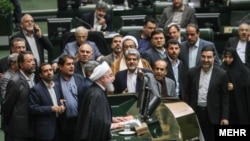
x: 49, y: 85
x: 32, y: 76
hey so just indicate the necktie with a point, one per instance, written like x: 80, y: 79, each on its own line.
x: 164, y: 91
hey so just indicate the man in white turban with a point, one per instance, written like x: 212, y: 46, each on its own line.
x: 95, y: 117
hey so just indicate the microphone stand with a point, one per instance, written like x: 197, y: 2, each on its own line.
x: 83, y: 22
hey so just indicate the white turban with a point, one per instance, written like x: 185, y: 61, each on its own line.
x: 99, y: 71
x: 129, y: 37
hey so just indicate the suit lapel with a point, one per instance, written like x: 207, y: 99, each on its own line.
x: 46, y: 92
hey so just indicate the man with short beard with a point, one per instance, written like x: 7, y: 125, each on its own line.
x: 95, y: 116
x: 15, y: 112
x: 117, y: 50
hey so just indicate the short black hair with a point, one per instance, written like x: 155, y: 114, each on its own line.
x: 208, y: 48
x: 172, y: 41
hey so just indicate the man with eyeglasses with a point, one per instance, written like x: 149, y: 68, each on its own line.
x: 157, y: 51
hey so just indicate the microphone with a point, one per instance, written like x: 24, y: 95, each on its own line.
x: 83, y: 22
x: 153, y: 104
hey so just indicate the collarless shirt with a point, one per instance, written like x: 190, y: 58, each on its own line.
x: 192, y: 54
x: 30, y: 80
x: 204, y: 82
x: 131, y: 81
x: 69, y: 90
x: 177, y: 17
x: 241, y: 49
x: 52, y: 93
x: 33, y: 46
x: 175, y: 68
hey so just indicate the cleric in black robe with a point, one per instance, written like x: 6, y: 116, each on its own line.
x: 239, y: 87
x: 95, y: 117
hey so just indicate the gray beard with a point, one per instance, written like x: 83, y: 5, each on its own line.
x: 110, y: 87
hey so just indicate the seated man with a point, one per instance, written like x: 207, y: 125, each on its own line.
x: 178, y: 13
x: 143, y: 37
x: 98, y: 20
x: 71, y: 48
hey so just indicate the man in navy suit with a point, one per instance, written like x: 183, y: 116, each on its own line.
x: 72, y: 87
x: 98, y: 20
x: 45, y: 106
x: 176, y: 69
x: 207, y: 93
x: 130, y: 79
x: 191, y: 48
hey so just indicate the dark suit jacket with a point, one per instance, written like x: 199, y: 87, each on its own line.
x: 184, y: 54
x: 217, y: 96
x: 82, y: 85
x: 40, y: 107
x: 151, y: 55
x: 78, y: 68
x: 182, y: 76
x: 17, y: 120
x: 233, y: 42
x: 187, y: 17
x: 120, y: 82
x: 89, y: 18
x: 4, y: 64
x: 42, y: 43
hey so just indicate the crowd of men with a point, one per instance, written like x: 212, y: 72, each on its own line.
x: 66, y: 99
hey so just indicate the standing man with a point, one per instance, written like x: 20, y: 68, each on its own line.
x: 157, y: 49
x: 45, y: 106
x: 178, y: 13
x: 143, y: 37
x: 207, y: 94
x: 72, y: 87
x: 94, y: 122
x: 13, y: 68
x: 34, y: 39
x: 176, y: 69
x: 174, y: 32
x: 191, y: 48
x: 117, y: 50
x: 17, y: 45
x: 17, y: 122
x: 241, y: 43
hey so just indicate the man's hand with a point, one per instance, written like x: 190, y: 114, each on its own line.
x: 38, y: 31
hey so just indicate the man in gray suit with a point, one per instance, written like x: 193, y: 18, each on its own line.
x: 117, y: 50
x: 178, y: 13
x: 191, y: 48
x: 160, y: 85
